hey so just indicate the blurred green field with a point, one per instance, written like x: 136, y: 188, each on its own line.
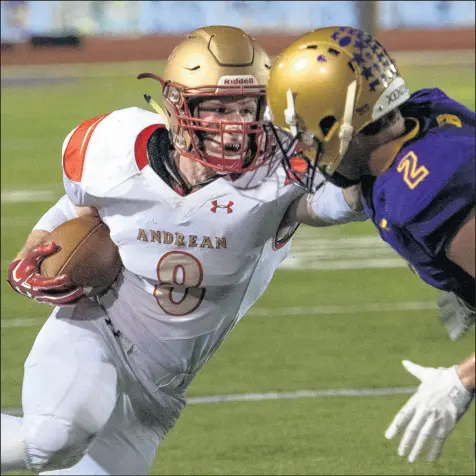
x: 269, y: 351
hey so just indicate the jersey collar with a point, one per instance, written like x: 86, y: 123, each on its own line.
x: 412, y: 127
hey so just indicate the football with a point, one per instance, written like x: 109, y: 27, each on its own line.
x: 87, y: 254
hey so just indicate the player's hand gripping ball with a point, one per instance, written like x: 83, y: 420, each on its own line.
x: 80, y: 260
x: 87, y: 255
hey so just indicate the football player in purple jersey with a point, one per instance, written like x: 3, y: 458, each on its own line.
x: 339, y: 95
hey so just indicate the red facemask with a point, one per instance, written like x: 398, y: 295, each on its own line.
x: 255, y: 147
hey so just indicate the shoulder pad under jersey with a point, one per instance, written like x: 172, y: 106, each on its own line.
x: 436, y: 170
x: 102, y: 152
x: 436, y: 105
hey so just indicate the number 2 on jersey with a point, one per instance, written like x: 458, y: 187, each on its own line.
x: 412, y: 174
x: 179, y: 273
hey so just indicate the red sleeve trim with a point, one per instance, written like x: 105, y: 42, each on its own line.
x: 75, y: 152
x: 140, y: 147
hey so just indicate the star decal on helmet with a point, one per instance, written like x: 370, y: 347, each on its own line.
x: 369, y: 55
x: 359, y: 44
x: 367, y: 72
x: 373, y: 85
x: 358, y: 58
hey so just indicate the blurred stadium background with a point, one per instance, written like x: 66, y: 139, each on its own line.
x: 22, y: 18
x: 309, y: 381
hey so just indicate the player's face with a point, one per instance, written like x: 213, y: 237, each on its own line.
x: 225, y: 110
x: 350, y: 166
x: 355, y: 162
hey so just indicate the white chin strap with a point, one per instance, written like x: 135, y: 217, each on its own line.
x: 158, y: 110
x: 346, y: 129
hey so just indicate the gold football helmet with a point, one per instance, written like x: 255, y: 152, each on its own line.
x: 328, y: 86
x: 211, y: 62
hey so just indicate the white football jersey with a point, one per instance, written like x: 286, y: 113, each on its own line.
x: 193, y: 265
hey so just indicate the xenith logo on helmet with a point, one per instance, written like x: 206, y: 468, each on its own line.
x: 394, y: 95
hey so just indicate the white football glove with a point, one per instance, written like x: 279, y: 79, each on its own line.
x: 432, y: 412
x: 455, y: 314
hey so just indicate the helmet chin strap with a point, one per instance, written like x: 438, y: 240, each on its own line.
x: 157, y: 109
x: 346, y: 129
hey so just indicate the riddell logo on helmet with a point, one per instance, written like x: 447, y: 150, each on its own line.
x: 237, y: 80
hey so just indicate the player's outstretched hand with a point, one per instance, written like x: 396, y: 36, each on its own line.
x: 25, y: 278
x: 431, y: 413
x: 455, y: 314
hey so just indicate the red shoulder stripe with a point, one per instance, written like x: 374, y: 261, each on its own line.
x: 140, y: 147
x: 75, y: 152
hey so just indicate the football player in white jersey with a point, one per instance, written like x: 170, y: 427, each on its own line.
x: 202, y: 212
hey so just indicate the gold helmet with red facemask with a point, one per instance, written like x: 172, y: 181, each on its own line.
x: 211, y: 63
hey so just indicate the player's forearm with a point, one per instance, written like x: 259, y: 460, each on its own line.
x: 35, y: 239
x: 466, y: 372
x: 62, y: 211
x: 329, y: 206
x: 353, y: 198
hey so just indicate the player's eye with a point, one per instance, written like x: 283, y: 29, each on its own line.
x: 214, y: 109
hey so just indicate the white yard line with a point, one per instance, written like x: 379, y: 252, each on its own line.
x: 28, y: 196
x: 341, y: 265
x: 22, y: 322
x: 350, y: 309
x: 255, y: 397
x: 341, y: 392
x: 314, y: 311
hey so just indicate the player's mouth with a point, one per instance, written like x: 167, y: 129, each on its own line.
x: 229, y: 149
x: 233, y: 147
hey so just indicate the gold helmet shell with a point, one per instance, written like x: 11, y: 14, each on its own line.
x: 208, y: 54
x: 211, y: 62
x: 329, y: 85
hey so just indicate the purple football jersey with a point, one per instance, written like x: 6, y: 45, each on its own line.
x: 419, y: 203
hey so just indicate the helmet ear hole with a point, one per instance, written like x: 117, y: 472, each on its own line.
x: 326, y: 124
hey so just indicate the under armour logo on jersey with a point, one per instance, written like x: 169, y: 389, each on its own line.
x: 228, y: 206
